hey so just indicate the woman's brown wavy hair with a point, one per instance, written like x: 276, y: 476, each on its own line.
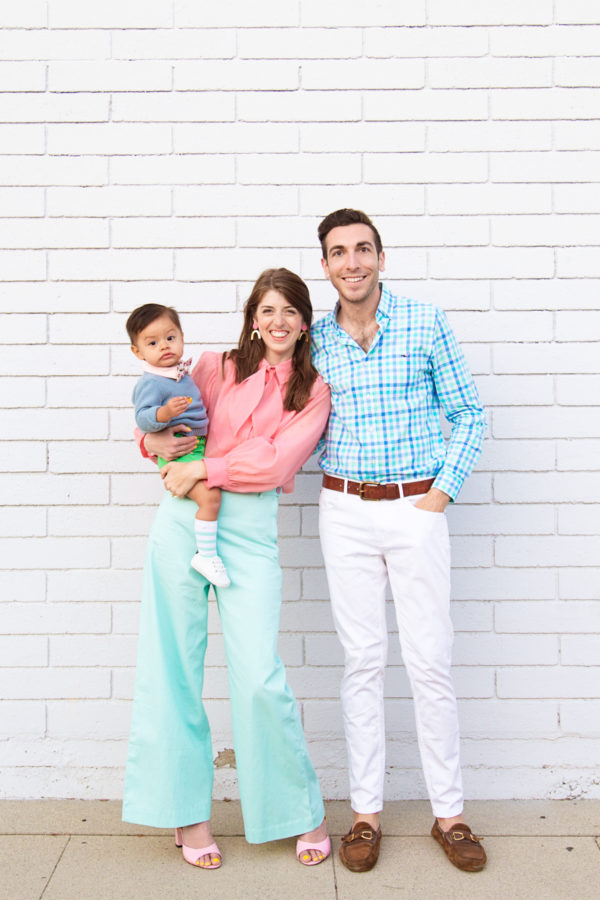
x: 247, y: 355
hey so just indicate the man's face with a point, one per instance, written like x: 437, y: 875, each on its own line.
x: 352, y: 264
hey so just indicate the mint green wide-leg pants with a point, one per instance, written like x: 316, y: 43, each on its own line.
x: 169, y: 773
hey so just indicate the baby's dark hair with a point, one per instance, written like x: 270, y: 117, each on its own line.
x: 144, y: 315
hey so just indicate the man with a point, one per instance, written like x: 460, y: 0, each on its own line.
x: 392, y: 364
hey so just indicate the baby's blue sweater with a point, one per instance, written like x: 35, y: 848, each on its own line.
x: 153, y: 391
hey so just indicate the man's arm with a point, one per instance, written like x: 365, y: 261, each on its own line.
x: 461, y: 405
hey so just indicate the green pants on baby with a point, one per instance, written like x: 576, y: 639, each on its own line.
x: 197, y: 453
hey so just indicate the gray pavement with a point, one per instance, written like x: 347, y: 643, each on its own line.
x: 64, y: 849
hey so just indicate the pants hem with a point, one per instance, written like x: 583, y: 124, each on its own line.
x: 285, y: 829
x: 152, y: 820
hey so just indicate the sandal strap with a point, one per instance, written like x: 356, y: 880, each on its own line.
x: 323, y: 847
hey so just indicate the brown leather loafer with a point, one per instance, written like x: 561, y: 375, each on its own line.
x: 359, y: 850
x: 461, y: 847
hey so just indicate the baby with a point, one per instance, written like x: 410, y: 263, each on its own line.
x: 166, y: 395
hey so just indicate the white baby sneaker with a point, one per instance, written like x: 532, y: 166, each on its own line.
x: 212, y: 568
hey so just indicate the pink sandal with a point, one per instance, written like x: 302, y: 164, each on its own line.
x: 193, y: 856
x: 303, y: 856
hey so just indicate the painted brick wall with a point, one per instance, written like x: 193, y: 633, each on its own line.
x: 171, y: 150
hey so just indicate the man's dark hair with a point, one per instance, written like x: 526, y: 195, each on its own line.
x: 144, y: 315
x: 346, y: 217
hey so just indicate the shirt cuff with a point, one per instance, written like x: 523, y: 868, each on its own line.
x: 142, y: 446
x: 448, y: 483
x: 216, y: 471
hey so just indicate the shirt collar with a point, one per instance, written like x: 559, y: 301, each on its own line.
x: 382, y: 313
x: 282, y: 370
x: 384, y: 307
x: 166, y: 372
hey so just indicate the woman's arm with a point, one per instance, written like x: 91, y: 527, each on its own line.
x: 261, y: 464
x: 180, y: 477
x: 165, y: 444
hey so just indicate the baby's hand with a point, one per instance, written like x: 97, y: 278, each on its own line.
x: 173, y: 407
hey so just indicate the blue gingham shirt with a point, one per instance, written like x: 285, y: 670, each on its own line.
x: 385, y: 404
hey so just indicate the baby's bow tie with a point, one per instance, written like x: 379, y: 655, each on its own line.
x: 183, y: 368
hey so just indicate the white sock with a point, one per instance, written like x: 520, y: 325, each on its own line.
x: 206, y: 537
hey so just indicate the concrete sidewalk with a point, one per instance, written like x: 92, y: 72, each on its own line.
x: 80, y: 850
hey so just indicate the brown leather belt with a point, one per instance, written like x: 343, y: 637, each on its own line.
x: 372, y: 490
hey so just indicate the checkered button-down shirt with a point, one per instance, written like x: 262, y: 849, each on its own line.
x: 385, y: 404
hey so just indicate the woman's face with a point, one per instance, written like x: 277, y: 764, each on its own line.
x: 279, y: 324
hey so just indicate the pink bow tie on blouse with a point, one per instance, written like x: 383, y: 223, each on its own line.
x: 183, y: 368
x: 257, y: 398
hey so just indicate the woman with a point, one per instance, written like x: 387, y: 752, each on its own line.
x: 267, y: 408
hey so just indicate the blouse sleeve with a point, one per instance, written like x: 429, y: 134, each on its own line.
x: 261, y: 464
x: 205, y: 376
x: 139, y: 436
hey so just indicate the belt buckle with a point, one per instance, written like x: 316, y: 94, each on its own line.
x: 363, y: 485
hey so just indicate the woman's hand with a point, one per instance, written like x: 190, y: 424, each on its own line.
x: 165, y: 444
x: 180, y: 478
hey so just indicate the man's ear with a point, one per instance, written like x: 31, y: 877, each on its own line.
x: 325, y: 267
x: 382, y: 261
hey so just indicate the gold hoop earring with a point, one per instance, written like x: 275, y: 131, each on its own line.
x: 303, y: 336
x: 255, y: 336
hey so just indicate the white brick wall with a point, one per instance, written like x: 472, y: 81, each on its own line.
x: 170, y: 150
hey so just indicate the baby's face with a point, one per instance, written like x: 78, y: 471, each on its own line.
x: 160, y: 343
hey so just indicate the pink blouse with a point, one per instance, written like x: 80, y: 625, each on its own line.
x: 253, y: 443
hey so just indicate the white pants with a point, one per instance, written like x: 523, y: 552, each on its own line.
x: 365, y: 543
